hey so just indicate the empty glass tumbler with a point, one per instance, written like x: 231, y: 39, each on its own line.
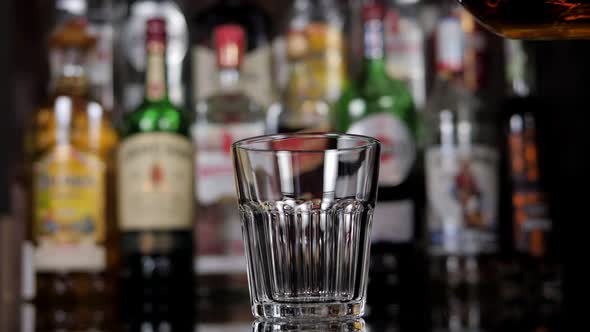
x: 306, y: 204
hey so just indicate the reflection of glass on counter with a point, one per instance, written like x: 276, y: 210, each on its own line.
x: 355, y: 325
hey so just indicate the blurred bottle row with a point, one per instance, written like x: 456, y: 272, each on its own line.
x: 130, y: 175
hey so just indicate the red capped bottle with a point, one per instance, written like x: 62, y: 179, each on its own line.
x: 223, y: 118
x: 155, y: 205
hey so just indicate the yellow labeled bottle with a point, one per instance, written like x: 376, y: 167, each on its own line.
x: 69, y: 257
x: 317, y: 66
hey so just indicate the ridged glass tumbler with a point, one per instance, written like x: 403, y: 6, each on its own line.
x: 306, y: 203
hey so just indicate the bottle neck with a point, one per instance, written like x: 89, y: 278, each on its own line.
x: 449, y: 50
x: 520, y: 87
x: 72, y: 78
x: 374, y: 49
x: 519, y: 69
x: 374, y: 69
x: 229, y: 79
x: 155, y: 79
x: 454, y: 76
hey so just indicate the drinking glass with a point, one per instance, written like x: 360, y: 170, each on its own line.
x: 306, y: 203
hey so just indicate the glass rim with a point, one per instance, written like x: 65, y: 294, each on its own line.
x: 242, y: 144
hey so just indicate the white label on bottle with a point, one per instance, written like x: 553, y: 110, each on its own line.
x: 462, y: 196
x: 214, y: 167
x: 220, y: 242
x: 449, y: 44
x: 255, y: 74
x: 405, y: 53
x: 398, y: 150
x: 79, y: 257
x: 393, y: 221
x: 155, y: 182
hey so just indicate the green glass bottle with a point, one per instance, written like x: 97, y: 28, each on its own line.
x: 156, y: 113
x: 155, y: 202
x: 382, y: 107
x: 376, y: 92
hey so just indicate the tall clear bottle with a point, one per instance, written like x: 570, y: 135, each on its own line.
x: 73, y: 254
x: 317, y: 67
x: 223, y: 118
x: 382, y: 107
x: 155, y: 203
x: 461, y: 162
x: 405, y: 44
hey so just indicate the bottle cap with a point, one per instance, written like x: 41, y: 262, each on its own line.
x: 229, y: 44
x: 373, y: 11
x: 155, y: 30
x: 72, y: 34
x: 449, y: 44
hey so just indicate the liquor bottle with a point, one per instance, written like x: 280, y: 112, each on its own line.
x: 72, y: 229
x: 65, y: 11
x: 155, y: 190
x: 405, y: 44
x: 461, y: 163
x: 475, y: 56
x: 257, y: 79
x: 101, y: 16
x: 532, y: 242
x: 382, y: 107
x: 132, y: 45
x: 315, y: 51
x: 223, y: 118
x: 533, y: 19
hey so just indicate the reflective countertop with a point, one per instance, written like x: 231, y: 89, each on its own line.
x: 456, y: 314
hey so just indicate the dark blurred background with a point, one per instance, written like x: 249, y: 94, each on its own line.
x: 562, y: 70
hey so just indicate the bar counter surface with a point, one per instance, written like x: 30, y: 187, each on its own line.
x: 462, y: 310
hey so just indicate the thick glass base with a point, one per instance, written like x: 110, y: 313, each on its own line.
x: 304, y: 311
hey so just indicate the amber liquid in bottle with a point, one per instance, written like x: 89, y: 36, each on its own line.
x: 71, y: 221
x: 533, y: 19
